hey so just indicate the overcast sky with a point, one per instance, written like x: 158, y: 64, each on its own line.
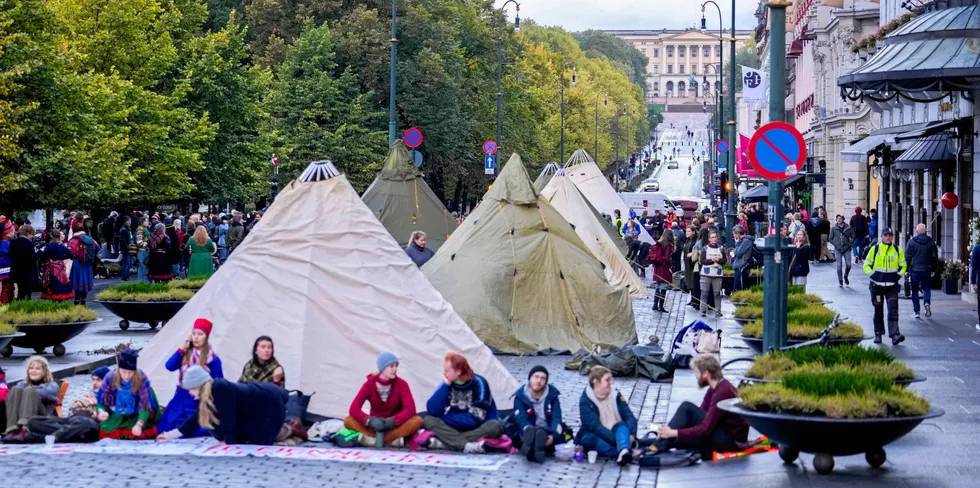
x: 577, y: 15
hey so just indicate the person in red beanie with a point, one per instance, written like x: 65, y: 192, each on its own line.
x: 195, y: 351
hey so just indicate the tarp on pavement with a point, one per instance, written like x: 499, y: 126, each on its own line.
x: 523, y: 280
x: 593, y: 184
x: 403, y: 202
x: 322, y: 278
x: 569, y: 202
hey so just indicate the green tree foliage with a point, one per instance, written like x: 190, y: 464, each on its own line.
x: 318, y: 112
x: 746, y: 56
x: 621, y: 54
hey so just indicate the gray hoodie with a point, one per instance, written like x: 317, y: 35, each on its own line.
x: 540, y: 418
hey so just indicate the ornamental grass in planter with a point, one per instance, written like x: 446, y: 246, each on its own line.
x: 44, y: 312
x: 189, y: 284
x: 7, y: 329
x: 841, y: 392
x: 800, y: 312
x: 145, y: 292
x: 754, y: 297
x: 774, y: 365
x: 802, y: 331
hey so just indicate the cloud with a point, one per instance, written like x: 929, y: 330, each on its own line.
x: 578, y: 15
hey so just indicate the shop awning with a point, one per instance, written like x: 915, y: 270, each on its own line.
x: 760, y: 192
x: 859, y: 151
x: 795, y: 179
x: 928, y: 153
x: 929, y: 129
x: 933, y: 55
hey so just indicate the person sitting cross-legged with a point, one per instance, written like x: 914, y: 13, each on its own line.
x: 537, y: 416
x: 128, y: 406
x: 462, y: 413
x: 706, y: 428
x: 392, y: 407
x: 608, y: 424
x: 36, y: 395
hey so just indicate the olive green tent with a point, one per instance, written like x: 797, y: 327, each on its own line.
x: 403, y: 202
x: 523, y: 280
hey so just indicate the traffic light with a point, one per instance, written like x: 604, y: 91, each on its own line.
x: 726, y: 186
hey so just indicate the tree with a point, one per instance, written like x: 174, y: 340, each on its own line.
x: 275, y: 24
x: 318, y: 112
x: 746, y: 56
x: 620, y: 53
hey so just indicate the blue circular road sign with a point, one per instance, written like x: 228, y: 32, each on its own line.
x: 776, y: 148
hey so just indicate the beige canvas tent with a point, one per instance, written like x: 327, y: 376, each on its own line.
x: 588, y: 178
x: 545, y: 176
x: 333, y: 290
x: 403, y: 202
x: 569, y: 202
x: 523, y: 280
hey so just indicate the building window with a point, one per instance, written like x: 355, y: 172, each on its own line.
x: 643, y: 42
x: 707, y: 51
x: 682, y: 69
x: 694, y: 69
x: 681, y: 51
x: 656, y: 52
x: 656, y: 69
x: 694, y: 51
x: 670, y: 69
x: 717, y: 51
x: 670, y: 51
x: 681, y: 89
x: 670, y: 87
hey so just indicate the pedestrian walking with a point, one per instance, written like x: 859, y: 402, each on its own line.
x: 712, y: 259
x: 23, y: 263
x: 873, y: 224
x: 142, y: 240
x: 126, y: 244
x: 823, y: 228
x: 660, y: 257
x: 800, y: 264
x: 842, y: 238
x: 83, y: 249
x: 742, y: 256
x: 885, y: 265
x: 56, y: 259
x: 859, y: 223
x: 922, y: 256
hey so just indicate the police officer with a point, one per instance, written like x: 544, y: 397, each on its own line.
x: 886, y: 266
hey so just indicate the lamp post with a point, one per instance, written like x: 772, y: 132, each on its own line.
x: 566, y: 65
x: 500, y: 64
x: 391, y: 80
x: 605, y: 104
x: 719, y: 99
x: 774, y: 312
x: 729, y: 155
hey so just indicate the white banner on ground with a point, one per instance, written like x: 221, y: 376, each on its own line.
x: 13, y: 449
x: 755, y: 85
x: 482, y: 462
x: 177, y: 447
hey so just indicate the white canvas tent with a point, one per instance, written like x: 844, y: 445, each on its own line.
x: 562, y: 194
x: 324, y: 279
x: 588, y: 178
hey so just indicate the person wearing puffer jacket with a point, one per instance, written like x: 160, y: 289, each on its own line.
x: 608, y: 424
x: 536, y: 422
x: 416, y: 249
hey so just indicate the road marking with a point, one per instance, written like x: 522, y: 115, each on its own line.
x: 975, y: 342
x: 950, y: 339
x: 964, y: 409
x: 944, y: 367
x: 913, y: 347
x: 958, y: 379
x: 952, y: 332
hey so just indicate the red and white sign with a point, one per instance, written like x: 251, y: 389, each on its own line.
x: 275, y: 159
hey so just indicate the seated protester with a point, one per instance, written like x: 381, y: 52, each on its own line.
x: 128, y: 406
x: 195, y: 351
x: 392, y: 407
x: 608, y: 424
x: 537, y: 415
x: 3, y: 396
x: 462, y: 413
x: 86, y: 404
x: 707, y: 428
x: 263, y: 366
x: 36, y: 395
x: 234, y: 413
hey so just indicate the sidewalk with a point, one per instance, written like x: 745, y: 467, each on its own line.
x: 939, y: 453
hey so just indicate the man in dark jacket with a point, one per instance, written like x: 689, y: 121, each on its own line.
x: 679, y: 241
x: 922, y: 255
x: 743, y: 255
x: 842, y: 238
x: 109, y: 232
x: 859, y: 223
x: 536, y: 423
x: 23, y: 263
x: 706, y: 428
x: 125, y: 238
x: 658, y: 225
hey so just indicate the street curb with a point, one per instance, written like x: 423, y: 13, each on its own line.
x: 83, y: 368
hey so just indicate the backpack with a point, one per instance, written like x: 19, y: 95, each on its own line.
x: 83, y: 251
x: 757, y: 260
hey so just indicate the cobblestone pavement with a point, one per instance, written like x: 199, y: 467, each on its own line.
x: 647, y: 399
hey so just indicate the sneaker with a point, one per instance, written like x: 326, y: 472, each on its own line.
x: 928, y: 310
x: 625, y: 457
x: 399, y: 442
x: 540, y: 442
x: 915, y: 315
x: 877, y: 338
x: 847, y: 282
x: 435, y: 443
x: 367, y: 440
x: 473, y: 448
x: 527, y: 444
x: 897, y: 338
x: 840, y: 284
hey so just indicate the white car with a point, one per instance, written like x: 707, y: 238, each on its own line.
x: 650, y: 184
x: 672, y: 164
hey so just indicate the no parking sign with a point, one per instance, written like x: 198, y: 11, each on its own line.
x: 777, y: 151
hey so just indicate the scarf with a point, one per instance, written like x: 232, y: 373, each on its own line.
x: 121, y: 400
x: 384, y: 388
x: 608, y: 411
x: 156, y: 239
x: 540, y: 417
x: 195, y: 359
x: 254, y: 371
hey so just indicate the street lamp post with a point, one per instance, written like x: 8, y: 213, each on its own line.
x: 605, y: 103
x: 391, y: 80
x: 729, y: 155
x: 774, y: 312
x: 566, y: 65
x: 500, y: 64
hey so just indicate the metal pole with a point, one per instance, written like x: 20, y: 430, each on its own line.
x: 595, y: 152
x: 562, y: 160
x: 500, y: 72
x: 730, y: 213
x: 774, y: 311
x: 391, y: 81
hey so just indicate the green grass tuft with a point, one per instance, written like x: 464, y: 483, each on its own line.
x: 791, y: 289
x: 195, y: 283
x: 893, y: 401
x: 145, y: 292
x: 7, y: 329
x: 846, y: 330
x: 44, y: 312
x: 876, y: 361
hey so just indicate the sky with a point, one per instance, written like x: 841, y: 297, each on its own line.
x: 578, y: 15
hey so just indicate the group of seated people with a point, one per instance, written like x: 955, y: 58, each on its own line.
x: 461, y: 415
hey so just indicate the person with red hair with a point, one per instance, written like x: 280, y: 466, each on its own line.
x: 462, y: 413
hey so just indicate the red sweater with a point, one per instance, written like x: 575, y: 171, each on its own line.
x: 400, y: 404
x: 716, y: 417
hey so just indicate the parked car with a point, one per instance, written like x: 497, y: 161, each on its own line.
x: 650, y: 184
x: 672, y: 164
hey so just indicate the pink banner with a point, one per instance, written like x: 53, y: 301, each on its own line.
x: 742, y: 166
